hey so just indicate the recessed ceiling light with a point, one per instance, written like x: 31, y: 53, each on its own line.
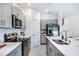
x: 47, y: 10
x: 29, y: 4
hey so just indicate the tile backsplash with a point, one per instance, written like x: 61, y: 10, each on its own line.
x: 3, y: 31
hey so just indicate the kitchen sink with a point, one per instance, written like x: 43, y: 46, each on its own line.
x: 61, y: 42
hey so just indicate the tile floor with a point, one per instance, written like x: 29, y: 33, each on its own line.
x: 38, y: 51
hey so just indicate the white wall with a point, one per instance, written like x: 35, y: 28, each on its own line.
x: 28, y: 12
x: 72, y: 25
x: 33, y: 26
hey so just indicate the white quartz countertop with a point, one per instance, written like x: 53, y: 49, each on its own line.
x: 10, y: 46
x: 27, y: 36
x: 68, y: 50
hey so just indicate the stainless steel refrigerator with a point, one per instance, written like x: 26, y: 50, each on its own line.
x: 52, y: 29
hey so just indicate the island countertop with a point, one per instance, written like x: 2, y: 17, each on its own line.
x: 67, y: 50
x: 10, y: 46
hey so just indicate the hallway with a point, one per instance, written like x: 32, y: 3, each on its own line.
x: 38, y: 51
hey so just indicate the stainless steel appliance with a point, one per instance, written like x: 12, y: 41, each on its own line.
x: 52, y: 30
x: 16, y: 23
x: 25, y: 45
x: 12, y: 37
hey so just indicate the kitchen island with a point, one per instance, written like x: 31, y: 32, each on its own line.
x: 11, y: 49
x: 54, y: 49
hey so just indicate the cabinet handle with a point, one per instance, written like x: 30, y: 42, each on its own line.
x: 1, y: 22
x: 50, y: 50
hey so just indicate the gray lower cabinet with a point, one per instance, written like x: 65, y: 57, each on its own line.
x: 43, y: 39
x: 57, y: 52
x: 52, y: 50
x: 16, y: 52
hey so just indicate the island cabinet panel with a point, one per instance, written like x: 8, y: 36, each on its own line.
x: 52, y: 50
x: 16, y: 52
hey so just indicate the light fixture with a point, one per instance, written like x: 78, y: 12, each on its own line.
x: 47, y: 10
x: 29, y: 4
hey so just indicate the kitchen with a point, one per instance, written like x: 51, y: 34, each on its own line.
x: 25, y: 26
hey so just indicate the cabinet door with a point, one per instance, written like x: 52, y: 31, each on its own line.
x: 14, y: 9
x: 19, y: 51
x: 16, y: 52
x: 58, y: 53
x: 20, y: 15
x: 53, y: 49
x: 0, y: 11
x: 1, y: 15
x: 7, y: 14
x: 43, y: 39
x: 17, y: 13
x: 23, y: 22
x: 49, y: 49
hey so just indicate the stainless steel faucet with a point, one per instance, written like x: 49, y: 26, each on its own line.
x: 65, y: 35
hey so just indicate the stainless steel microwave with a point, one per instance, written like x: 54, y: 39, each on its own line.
x: 16, y: 23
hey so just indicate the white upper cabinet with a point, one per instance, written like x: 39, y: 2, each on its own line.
x: 17, y: 12
x: 19, y: 15
x: 14, y: 10
x: 5, y: 15
x: 6, y: 11
x: 23, y: 22
x: 0, y: 14
x: 0, y: 11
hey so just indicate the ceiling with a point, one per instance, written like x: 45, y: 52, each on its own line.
x: 66, y: 8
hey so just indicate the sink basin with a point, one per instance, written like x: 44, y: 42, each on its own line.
x: 61, y: 42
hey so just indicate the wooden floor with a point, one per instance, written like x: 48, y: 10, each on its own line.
x: 38, y: 51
